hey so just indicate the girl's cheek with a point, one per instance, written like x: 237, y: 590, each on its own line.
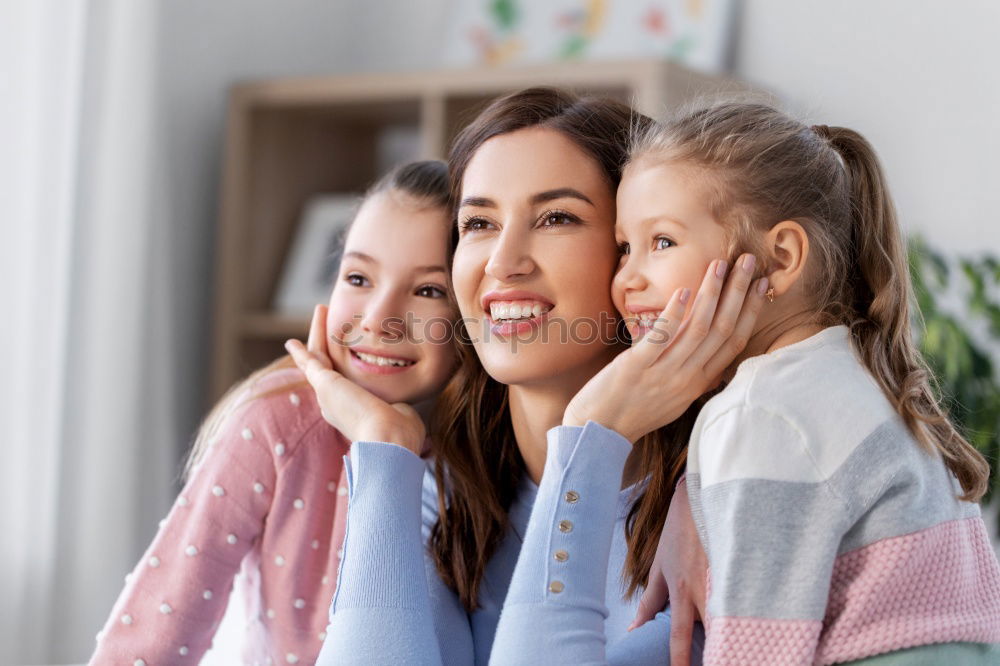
x: 436, y: 330
x: 341, y: 319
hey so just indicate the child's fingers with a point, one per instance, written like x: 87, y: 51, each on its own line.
x: 307, y: 362
x: 316, y: 342
x: 728, y: 314
x: 664, y: 328
x: 332, y: 388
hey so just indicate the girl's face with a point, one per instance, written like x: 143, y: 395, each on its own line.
x: 535, y: 257
x: 389, y: 320
x: 667, y: 237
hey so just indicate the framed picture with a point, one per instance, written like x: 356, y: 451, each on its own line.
x: 498, y: 32
x: 312, y: 263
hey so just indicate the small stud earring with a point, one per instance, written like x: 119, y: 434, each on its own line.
x: 770, y: 295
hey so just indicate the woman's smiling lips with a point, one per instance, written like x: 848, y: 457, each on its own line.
x: 515, y: 311
x: 378, y: 362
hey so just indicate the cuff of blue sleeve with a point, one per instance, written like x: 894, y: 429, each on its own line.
x: 383, y: 463
x: 383, y: 548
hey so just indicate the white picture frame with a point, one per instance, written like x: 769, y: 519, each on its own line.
x: 314, y: 257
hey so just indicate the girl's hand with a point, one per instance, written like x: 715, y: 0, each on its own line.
x: 679, y: 574
x: 654, y: 382
x: 355, y: 412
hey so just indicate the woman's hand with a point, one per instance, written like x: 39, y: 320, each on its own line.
x: 355, y: 412
x: 654, y: 382
x: 679, y: 574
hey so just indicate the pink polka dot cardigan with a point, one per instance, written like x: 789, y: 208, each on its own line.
x: 268, y: 502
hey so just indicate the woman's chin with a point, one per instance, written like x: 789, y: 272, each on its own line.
x: 530, y: 364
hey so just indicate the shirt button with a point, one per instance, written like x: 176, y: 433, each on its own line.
x: 565, y: 526
x: 572, y: 496
x: 561, y: 555
x: 556, y: 587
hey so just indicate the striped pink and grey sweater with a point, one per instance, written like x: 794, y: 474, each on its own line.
x: 831, y: 534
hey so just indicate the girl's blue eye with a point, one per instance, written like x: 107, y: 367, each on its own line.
x: 431, y: 291
x: 662, y: 243
x: 623, y: 248
x: 356, y: 280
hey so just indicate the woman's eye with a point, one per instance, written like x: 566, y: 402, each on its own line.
x: 431, y: 291
x: 662, y: 243
x: 474, y: 224
x: 623, y: 248
x: 557, y: 219
x: 356, y: 280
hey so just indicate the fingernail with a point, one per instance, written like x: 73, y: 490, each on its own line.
x: 685, y: 295
x: 720, y: 268
x: 631, y: 627
x: 749, y: 263
x: 762, y: 286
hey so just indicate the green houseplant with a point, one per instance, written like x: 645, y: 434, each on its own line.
x: 957, y: 323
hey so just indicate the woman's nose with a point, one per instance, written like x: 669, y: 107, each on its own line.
x: 511, y: 256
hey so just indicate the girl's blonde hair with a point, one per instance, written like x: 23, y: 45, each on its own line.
x: 426, y: 182
x: 763, y: 167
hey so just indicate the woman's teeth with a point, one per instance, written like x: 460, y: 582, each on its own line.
x: 512, y: 310
x: 383, y: 360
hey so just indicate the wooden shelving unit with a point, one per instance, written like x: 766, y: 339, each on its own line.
x: 290, y: 139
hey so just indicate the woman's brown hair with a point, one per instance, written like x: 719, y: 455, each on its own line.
x: 479, y: 465
x: 764, y: 167
x: 426, y: 182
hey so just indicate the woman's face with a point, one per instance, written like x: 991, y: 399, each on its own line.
x: 535, y: 258
x: 667, y: 236
x: 389, y: 319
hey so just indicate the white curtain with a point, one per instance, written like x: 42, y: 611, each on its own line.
x: 90, y: 450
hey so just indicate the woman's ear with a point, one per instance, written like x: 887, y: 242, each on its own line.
x: 787, y: 246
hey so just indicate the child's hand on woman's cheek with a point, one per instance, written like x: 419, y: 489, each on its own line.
x: 654, y: 382
x: 355, y: 412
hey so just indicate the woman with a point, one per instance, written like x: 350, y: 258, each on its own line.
x: 534, y: 179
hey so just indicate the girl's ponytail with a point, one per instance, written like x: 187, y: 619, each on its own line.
x: 880, y: 293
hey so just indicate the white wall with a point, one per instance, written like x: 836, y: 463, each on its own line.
x: 918, y: 78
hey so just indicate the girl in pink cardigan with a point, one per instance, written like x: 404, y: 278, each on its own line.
x: 265, y: 495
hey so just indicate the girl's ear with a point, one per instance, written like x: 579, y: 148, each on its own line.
x: 787, y: 246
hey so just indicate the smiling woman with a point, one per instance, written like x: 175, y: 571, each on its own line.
x: 539, y: 239
x: 522, y: 510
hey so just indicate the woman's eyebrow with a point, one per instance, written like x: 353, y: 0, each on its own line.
x: 421, y: 270
x: 560, y: 193
x: 479, y: 202
x: 540, y: 197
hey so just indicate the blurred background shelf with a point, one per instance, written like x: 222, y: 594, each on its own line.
x: 288, y: 140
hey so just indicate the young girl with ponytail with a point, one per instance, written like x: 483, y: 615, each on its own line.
x: 835, y: 500
x: 265, y: 495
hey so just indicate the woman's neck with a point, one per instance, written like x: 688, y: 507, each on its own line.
x: 533, y: 411
x: 535, y: 408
